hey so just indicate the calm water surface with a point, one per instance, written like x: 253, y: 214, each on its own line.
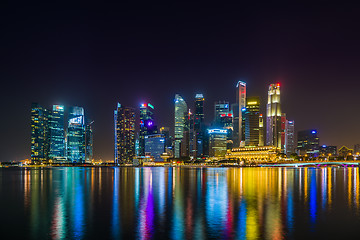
x: 179, y: 203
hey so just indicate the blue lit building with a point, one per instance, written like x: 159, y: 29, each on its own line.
x: 147, y: 125
x: 155, y: 146
x: 76, y: 135
x: 57, y: 134
x: 39, y: 134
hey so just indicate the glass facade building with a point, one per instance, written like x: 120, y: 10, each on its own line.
x: 155, y: 146
x: 147, y: 125
x: 180, y: 117
x: 124, y: 119
x: 308, y: 143
x: 89, y: 152
x: 252, y: 128
x: 240, y: 104
x: 76, y: 135
x: 57, y: 134
x: 39, y: 134
x: 217, y: 142
x: 198, y: 125
x: 289, y: 137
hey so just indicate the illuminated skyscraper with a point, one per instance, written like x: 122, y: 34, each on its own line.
x: 261, y: 130
x: 198, y: 125
x: 147, y: 125
x: 238, y: 107
x: 155, y: 145
x: 89, y: 142
x: 273, y: 117
x: 308, y: 143
x: 221, y: 109
x: 39, y: 134
x: 289, y: 137
x: 180, y: 115
x: 217, y: 142
x: 124, y: 119
x: 76, y: 135
x: 57, y: 134
x: 252, y: 128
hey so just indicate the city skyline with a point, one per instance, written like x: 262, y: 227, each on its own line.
x: 314, y: 58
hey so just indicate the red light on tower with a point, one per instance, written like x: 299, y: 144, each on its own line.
x: 278, y: 84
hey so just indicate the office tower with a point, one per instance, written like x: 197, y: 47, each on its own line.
x: 198, y: 125
x: 124, y: 120
x: 180, y: 115
x: 252, y: 114
x: 155, y: 146
x: 283, y: 129
x: 237, y: 113
x: 166, y: 132
x: 217, y: 142
x: 89, y: 142
x: 221, y: 109
x: 185, y: 142
x: 261, y: 130
x: 273, y: 117
x: 39, y: 134
x: 76, y: 135
x: 328, y: 151
x: 147, y: 125
x: 57, y: 134
x: 308, y: 143
x: 289, y: 137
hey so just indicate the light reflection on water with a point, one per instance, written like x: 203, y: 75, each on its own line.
x: 179, y: 203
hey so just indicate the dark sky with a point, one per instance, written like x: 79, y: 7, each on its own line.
x: 96, y: 55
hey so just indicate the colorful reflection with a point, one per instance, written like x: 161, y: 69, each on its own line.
x: 182, y: 203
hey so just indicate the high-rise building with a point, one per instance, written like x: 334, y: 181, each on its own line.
x: 124, y: 119
x: 39, y: 134
x: 289, y: 137
x: 180, y: 115
x: 57, y: 134
x: 198, y: 125
x: 261, y: 130
x: 217, y: 142
x: 221, y: 109
x: 155, y: 146
x: 328, y: 151
x: 76, y: 135
x: 273, y: 117
x: 308, y: 143
x: 89, y: 151
x: 238, y: 136
x: 252, y: 114
x: 147, y: 125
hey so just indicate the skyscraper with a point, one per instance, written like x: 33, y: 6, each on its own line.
x: 155, y: 145
x: 76, y: 135
x: 217, y: 142
x: 221, y: 109
x: 198, y: 125
x: 180, y: 115
x: 261, y: 130
x: 237, y: 113
x: 289, y: 137
x: 39, y: 134
x: 57, y: 134
x: 89, y: 142
x: 273, y: 117
x: 124, y: 120
x: 252, y: 128
x: 147, y: 125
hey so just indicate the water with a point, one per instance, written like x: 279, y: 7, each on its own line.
x: 179, y: 203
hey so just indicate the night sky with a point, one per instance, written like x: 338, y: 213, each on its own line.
x: 97, y: 55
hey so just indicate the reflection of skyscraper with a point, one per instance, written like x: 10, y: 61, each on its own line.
x: 273, y: 117
x: 39, y: 134
x: 76, y: 135
x: 252, y: 129
x: 237, y: 111
x: 147, y: 125
x: 124, y: 119
x: 57, y: 133
x: 89, y: 142
x: 180, y: 115
x: 198, y: 125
